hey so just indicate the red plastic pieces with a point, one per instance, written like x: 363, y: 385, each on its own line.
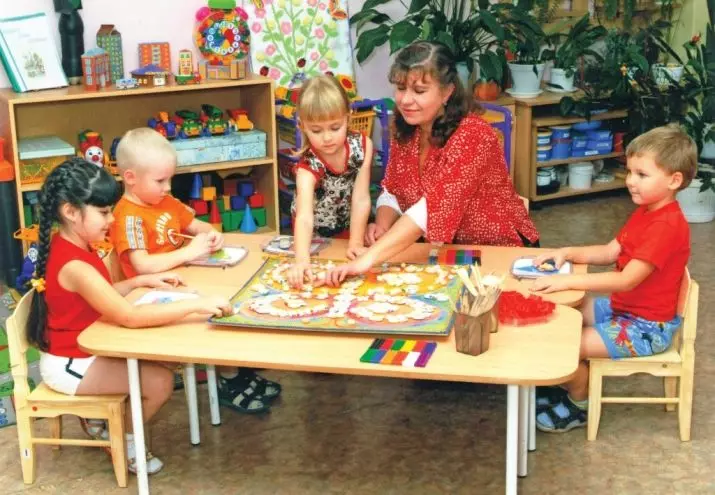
x: 516, y: 309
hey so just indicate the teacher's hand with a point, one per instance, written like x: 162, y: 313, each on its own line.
x: 373, y: 233
x: 336, y: 276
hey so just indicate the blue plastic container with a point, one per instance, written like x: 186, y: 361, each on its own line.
x: 587, y: 126
x: 561, y: 149
x: 560, y: 132
x: 602, y: 147
x: 543, y: 153
x: 582, y: 153
x: 600, y: 135
x: 578, y: 142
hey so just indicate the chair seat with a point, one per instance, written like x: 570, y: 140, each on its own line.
x: 45, y: 394
x: 670, y: 356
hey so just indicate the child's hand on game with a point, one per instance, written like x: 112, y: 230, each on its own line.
x: 337, y: 275
x: 553, y: 283
x: 200, y: 246
x: 216, y: 240
x: 166, y: 280
x: 373, y: 233
x: 355, y: 251
x: 300, y: 272
x: 558, y: 258
x: 214, y: 306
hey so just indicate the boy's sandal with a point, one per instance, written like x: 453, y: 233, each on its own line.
x: 547, y: 397
x: 563, y: 417
x: 95, y: 428
x: 266, y: 388
x: 242, y: 398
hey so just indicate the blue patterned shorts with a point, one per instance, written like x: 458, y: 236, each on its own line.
x: 626, y: 335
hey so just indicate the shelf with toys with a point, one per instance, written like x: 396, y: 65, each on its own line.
x: 67, y: 114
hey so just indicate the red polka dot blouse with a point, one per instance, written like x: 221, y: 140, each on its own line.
x: 470, y: 196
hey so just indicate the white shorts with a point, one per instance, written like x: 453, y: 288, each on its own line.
x: 63, y: 374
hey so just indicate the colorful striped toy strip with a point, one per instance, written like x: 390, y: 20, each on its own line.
x: 455, y: 256
x: 410, y: 353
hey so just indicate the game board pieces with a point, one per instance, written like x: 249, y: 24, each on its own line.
x: 455, y: 256
x: 398, y: 352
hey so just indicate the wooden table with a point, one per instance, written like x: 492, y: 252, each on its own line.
x: 519, y: 357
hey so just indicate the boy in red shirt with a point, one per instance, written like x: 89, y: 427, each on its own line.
x: 145, y: 234
x: 650, y: 252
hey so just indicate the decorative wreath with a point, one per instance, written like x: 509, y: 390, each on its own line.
x: 222, y: 35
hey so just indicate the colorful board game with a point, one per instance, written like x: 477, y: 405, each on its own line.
x: 406, y: 299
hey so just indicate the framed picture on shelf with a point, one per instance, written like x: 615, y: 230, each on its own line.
x: 29, y: 53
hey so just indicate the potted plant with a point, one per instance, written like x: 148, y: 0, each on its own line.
x: 491, y: 75
x: 468, y: 27
x: 576, y: 44
x: 523, y: 38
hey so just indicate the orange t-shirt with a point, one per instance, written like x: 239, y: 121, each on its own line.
x: 151, y: 228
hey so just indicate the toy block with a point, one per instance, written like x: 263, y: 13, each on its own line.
x: 227, y: 221
x: 230, y: 187
x: 208, y: 180
x: 238, y: 203
x: 196, y: 186
x: 259, y: 215
x: 208, y: 193
x: 246, y: 189
x: 199, y: 206
x: 203, y: 218
x: 248, y: 224
x: 257, y: 200
x: 217, y: 226
x: 226, y: 202
x: 215, y: 213
x: 221, y: 204
x: 237, y: 218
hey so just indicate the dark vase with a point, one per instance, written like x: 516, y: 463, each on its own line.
x: 72, y: 36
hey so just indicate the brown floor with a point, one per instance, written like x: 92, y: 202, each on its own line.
x: 335, y: 434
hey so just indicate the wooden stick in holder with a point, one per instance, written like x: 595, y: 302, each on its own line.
x: 472, y: 333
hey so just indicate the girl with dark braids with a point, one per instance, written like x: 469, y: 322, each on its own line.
x: 73, y: 289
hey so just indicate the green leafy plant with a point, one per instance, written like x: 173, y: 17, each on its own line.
x: 576, y: 44
x: 468, y: 27
x: 523, y: 36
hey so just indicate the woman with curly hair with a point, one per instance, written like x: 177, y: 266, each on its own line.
x: 446, y: 179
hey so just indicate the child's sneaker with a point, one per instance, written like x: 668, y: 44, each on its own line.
x: 153, y: 464
x: 563, y: 417
x: 238, y: 394
x: 547, y: 397
x: 95, y: 428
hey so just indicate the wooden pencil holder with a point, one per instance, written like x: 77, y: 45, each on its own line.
x: 472, y: 332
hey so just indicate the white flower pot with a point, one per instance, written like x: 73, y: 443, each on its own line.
x: 560, y: 81
x: 698, y: 207
x: 463, y: 74
x: 659, y: 70
x: 708, y: 150
x: 524, y: 79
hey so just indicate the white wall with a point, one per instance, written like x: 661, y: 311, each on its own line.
x: 162, y: 20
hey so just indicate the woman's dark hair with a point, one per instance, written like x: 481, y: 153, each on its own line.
x: 436, y: 60
x: 80, y: 184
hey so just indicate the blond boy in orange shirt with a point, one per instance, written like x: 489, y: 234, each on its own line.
x: 146, y: 235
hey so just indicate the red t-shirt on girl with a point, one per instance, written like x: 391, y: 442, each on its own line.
x: 67, y: 312
x: 470, y: 196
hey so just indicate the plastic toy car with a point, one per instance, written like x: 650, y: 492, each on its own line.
x: 189, y: 124
x: 127, y: 83
x: 240, y: 117
x: 164, y: 126
x: 212, y: 118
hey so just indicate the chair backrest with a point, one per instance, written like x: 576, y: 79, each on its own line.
x: 17, y: 344
x: 688, y: 310
x: 111, y: 261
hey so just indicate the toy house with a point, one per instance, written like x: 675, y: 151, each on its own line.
x: 110, y: 40
x: 150, y: 76
x: 155, y: 54
x: 95, y: 69
x: 186, y: 63
x: 236, y: 69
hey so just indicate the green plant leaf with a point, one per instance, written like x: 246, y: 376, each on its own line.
x: 447, y: 40
x: 417, y: 5
x: 491, y: 24
x: 369, y: 40
x: 371, y: 4
x: 370, y: 15
x: 403, y: 33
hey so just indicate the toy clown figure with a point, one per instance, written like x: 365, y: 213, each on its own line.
x: 90, y: 146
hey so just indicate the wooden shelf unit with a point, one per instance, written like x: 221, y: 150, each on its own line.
x: 543, y: 111
x: 65, y: 112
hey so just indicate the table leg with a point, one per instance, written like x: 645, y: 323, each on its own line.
x: 512, y: 437
x: 135, y: 396
x: 192, y: 402
x: 213, y: 395
x: 522, y: 467
x: 532, y: 418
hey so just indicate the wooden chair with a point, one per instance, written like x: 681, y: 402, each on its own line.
x: 676, y: 366
x: 43, y: 402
